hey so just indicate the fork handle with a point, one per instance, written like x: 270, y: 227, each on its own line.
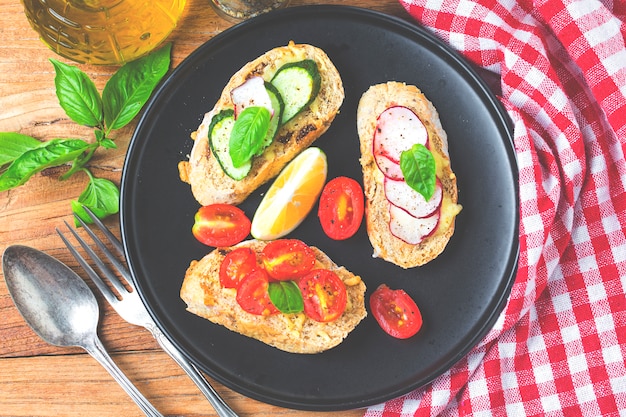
x: 220, y: 406
x: 99, y: 353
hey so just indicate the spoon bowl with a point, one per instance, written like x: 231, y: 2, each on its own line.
x: 59, y: 306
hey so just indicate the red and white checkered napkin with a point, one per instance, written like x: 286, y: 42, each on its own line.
x: 559, y: 347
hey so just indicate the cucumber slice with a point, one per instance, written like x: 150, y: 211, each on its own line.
x: 278, y: 106
x: 298, y: 84
x: 219, y: 138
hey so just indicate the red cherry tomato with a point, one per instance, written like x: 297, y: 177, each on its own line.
x: 324, y: 295
x: 396, y: 312
x: 286, y: 259
x: 252, y: 294
x: 341, y: 208
x: 236, y: 265
x: 220, y: 225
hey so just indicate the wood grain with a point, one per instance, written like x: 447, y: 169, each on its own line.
x: 38, y: 379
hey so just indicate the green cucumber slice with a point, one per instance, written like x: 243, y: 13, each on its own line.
x: 278, y: 106
x: 219, y: 138
x: 298, y: 84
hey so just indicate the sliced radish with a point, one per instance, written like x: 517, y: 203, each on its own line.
x: 397, y: 130
x: 401, y: 195
x: 251, y: 93
x: 389, y: 168
x: 411, y: 230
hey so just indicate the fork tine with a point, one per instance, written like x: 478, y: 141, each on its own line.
x: 106, y: 291
x: 114, y: 240
x: 96, y: 259
x: 121, y: 268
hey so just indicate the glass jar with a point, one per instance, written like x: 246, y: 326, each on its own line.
x: 245, y: 9
x: 108, y: 32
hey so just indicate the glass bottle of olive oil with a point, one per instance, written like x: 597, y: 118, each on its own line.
x: 107, y: 32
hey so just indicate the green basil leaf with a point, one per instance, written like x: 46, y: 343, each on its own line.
x: 13, y: 145
x: 131, y: 86
x: 286, y: 296
x: 52, y: 153
x: 249, y: 130
x: 77, y: 94
x: 418, y: 166
x: 101, y: 196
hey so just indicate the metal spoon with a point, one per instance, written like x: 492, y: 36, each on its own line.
x: 58, y: 305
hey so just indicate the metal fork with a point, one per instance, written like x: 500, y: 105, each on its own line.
x: 130, y: 307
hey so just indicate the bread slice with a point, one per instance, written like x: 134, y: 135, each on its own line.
x: 373, y: 102
x: 209, y: 183
x: 295, y: 333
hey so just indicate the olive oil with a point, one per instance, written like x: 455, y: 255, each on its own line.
x: 107, y: 32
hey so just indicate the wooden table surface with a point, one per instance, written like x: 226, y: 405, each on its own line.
x: 37, y: 379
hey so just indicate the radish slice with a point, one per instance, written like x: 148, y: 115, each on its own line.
x: 397, y: 130
x: 401, y: 195
x: 251, y: 93
x: 390, y: 168
x: 411, y: 230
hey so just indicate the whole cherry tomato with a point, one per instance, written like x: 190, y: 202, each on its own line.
x: 287, y: 259
x: 341, y: 208
x: 252, y: 294
x: 324, y: 295
x: 220, y: 225
x: 236, y: 265
x: 396, y: 312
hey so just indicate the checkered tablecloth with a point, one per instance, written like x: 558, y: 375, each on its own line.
x: 559, y: 347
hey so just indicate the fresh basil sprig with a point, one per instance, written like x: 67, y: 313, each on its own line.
x: 418, y: 167
x: 123, y: 97
x: 286, y: 296
x: 249, y: 130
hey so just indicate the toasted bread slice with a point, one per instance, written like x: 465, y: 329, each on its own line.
x: 374, y: 101
x: 209, y: 183
x: 295, y: 333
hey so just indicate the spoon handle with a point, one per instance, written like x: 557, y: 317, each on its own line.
x: 220, y: 406
x: 98, y: 352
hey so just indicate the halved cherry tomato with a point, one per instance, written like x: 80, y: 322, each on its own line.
x: 220, y: 225
x: 341, y: 208
x: 396, y: 312
x: 324, y: 295
x: 252, y: 294
x: 287, y: 259
x: 236, y: 265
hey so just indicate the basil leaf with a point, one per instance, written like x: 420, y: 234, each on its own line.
x: 52, y: 153
x: 249, y: 130
x: 13, y: 145
x: 286, y: 296
x: 418, y: 166
x: 77, y: 94
x: 101, y: 196
x: 131, y: 86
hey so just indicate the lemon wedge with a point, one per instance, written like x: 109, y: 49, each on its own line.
x: 292, y: 195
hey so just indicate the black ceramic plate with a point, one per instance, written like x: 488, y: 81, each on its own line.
x: 460, y: 293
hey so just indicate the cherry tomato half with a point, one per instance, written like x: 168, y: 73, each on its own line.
x: 252, y: 294
x: 396, y: 312
x: 341, y: 208
x: 286, y: 259
x: 324, y: 295
x: 236, y: 265
x: 220, y: 225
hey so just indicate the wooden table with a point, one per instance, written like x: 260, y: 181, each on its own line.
x: 37, y: 379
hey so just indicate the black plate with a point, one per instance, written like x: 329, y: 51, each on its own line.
x: 460, y: 293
